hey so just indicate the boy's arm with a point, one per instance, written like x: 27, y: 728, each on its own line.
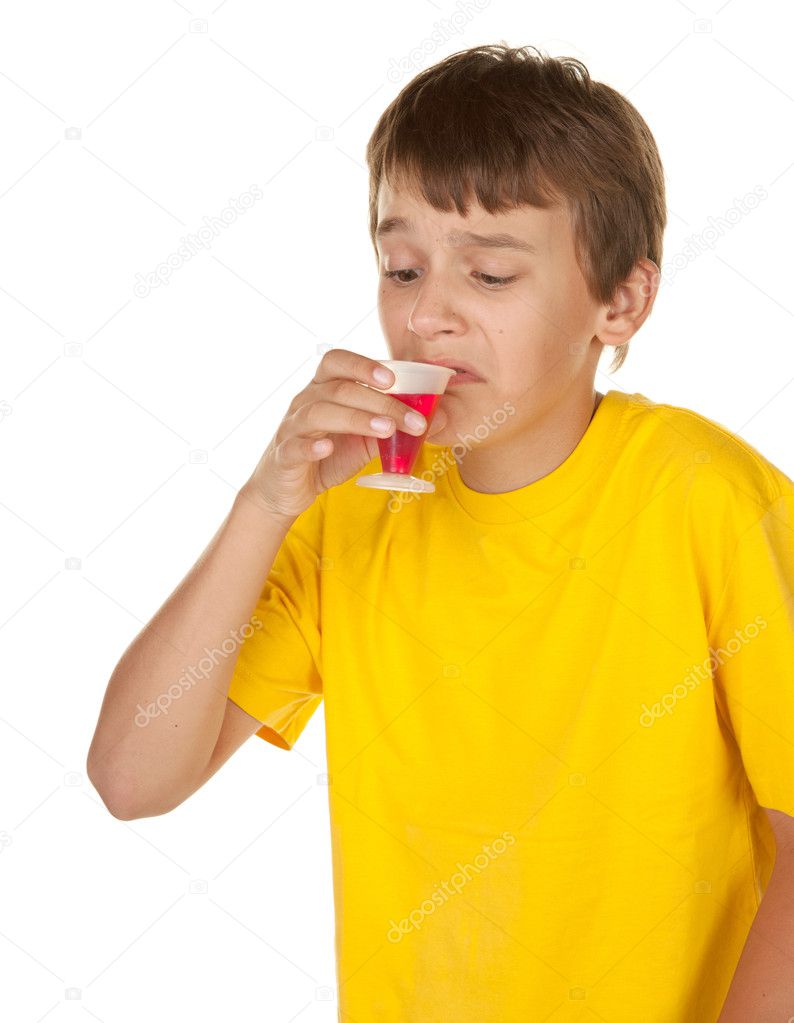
x: 762, y: 990
x: 144, y: 764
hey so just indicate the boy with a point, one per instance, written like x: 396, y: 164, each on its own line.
x: 558, y: 692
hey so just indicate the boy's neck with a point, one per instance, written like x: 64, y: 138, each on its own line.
x: 538, y: 452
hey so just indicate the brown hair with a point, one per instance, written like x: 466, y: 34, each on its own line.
x: 511, y: 128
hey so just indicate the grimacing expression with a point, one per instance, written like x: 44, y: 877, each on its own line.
x: 501, y: 292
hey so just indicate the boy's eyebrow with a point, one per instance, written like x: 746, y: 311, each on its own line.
x: 392, y: 225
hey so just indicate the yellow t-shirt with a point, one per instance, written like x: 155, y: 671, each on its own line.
x: 552, y: 718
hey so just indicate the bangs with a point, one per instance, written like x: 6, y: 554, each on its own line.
x: 498, y: 174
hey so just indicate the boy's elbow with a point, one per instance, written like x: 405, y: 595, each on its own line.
x: 117, y: 807
x: 124, y: 808
x: 121, y: 811
x: 117, y: 797
x: 128, y: 796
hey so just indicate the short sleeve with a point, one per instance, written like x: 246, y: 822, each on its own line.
x: 277, y: 677
x: 751, y: 638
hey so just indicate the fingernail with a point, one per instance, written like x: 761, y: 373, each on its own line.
x: 415, y: 421
x: 383, y: 376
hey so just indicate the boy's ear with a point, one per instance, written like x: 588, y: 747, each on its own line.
x: 630, y: 305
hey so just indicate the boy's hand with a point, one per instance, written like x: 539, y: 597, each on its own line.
x: 334, y: 407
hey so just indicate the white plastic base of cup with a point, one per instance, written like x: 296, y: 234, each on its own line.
x: 396, y: 481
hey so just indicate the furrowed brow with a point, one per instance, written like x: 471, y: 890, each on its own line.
x: 395, y: 225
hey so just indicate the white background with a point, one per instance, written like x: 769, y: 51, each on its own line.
x: 105, y: 394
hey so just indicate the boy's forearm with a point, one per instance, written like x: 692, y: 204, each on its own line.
x: 149, y: 745
x: 762, y: 989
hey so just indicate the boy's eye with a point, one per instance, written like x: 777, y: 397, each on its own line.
x: 488, y: 279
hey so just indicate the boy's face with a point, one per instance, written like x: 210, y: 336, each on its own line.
x: 531, y: 340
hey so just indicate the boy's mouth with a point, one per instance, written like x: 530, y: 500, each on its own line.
x: 461, y: 377
x: 463, y: 370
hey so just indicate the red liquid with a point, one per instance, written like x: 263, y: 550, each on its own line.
x: 398, y: 452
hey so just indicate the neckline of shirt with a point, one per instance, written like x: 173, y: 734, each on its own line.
x: 512, y: 506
